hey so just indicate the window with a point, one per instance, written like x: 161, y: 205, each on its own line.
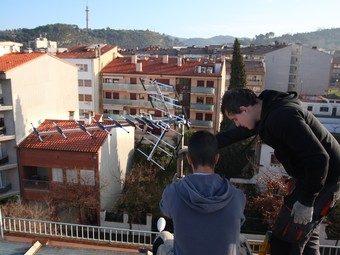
x: 57, y: 174
x: 210, y: 84
x: 310, y: 108
x: 82, y: 67
x: 88, y: 98
x: 71, y: 176
x: 133, y: 80
x: 200, y: 100
x: 324, y: 109
x: 108, y: 95
x: 87, y: 83
x: 209, y: 100
x: 87, y: 177
x: 81, y: 97
x: 141, y: 96
x: 200, y: 83
x: 84, y: 83
x: 208, y: 117
x: 133, y: 96
x: 199, y: 116
x: 115, y: 95
x: 133, y: 111
x: 108, y: 80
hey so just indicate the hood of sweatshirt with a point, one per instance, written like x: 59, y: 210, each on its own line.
x: 205, y: 193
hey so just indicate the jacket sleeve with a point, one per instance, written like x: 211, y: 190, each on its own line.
x: 164, y: 204
x: 304, y: 157
x: 233, y: 135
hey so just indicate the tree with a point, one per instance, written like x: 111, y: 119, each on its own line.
x: 238, y: 76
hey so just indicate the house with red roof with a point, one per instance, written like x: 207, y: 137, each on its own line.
x: 200, y: 85
x: 90, y: 59
x: 75, y: 166
x: 33, y: 87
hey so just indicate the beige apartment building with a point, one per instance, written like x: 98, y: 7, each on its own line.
x: 90, y: 59
x: 200, y: 84
x: 33, y: 87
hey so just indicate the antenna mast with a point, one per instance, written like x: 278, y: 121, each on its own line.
x: 87, y: 17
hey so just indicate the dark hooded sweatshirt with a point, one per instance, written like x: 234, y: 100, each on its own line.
x: 207, y: 212
x: 301, y: 143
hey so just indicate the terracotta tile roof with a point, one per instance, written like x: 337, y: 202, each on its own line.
x: 157, y: 67
x: 12, y: 60
x: 77, y: 140
x: 84, y: 51
x: 252, y: 66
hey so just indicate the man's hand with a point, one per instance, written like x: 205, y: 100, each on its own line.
x: 302, y: 214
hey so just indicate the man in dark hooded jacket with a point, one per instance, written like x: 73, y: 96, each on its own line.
x: 307, y: 151
x: 207, y: 211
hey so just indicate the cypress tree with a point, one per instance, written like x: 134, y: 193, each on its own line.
x: 238, y: 76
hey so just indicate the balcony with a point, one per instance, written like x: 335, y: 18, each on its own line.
x: 201, y: 123
x: 202, y: 90
x: 134, y: 87
x: 5, y: 188
x: 202, y: 107
x: 135, y: 103
x: 36, y: 184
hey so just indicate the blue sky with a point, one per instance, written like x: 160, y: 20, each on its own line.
x: 186, y: 18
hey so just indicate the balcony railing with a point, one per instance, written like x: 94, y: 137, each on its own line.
x: 202, y: 107
x: 137, y: 103
x: 202, y: 90
x: 134, y: 87
x: 36, y: 184
x: 5, y: 188
x: 201, y: 123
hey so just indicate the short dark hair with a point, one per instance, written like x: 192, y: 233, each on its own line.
x: 234, y: 98
x: 202, y: 149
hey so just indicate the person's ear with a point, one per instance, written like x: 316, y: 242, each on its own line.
x: 243, y: 109
x: 217, y: 157
x: 189, y: 159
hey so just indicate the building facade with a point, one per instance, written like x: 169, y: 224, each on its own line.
x: 200, y: 85
x: 90, y: 60
x: 33, y: 86
x: 90, y: 167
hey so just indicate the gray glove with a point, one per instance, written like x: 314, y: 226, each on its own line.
x: 302, y: 214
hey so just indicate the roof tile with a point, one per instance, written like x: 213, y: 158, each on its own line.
x: 12, y: 60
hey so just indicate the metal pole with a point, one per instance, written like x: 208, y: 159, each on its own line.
x: 180, y: 153
x: 1, y: 228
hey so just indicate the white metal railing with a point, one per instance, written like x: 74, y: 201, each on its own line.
x: 76, y: 231
x: 103, y: 234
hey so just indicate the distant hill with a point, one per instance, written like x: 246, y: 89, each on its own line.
x: 71, y: 35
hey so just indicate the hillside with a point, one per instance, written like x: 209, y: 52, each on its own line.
x: 70, y: 35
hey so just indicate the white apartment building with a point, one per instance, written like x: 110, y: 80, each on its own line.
x: 90, y: 60
x: 33, y: 87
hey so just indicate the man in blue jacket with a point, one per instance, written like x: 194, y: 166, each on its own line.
x: 206, y: 210
x: 307, y: 151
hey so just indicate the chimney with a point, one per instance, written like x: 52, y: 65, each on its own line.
x: 71, y: 115
x: 179, y: 61
x: 134, y: 59
x: 139, y: 67
x: 165, y: 59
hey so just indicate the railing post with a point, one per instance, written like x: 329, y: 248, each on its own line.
x: 1, y: 228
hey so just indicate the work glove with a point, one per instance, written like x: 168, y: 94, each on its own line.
x: 302, y: 214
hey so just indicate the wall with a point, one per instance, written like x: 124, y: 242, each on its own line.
x: 44, y: 88
x: 115, y: 158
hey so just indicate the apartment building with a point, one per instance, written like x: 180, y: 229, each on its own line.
x: 33, y: 87
x: 90, y: 60
x: 8, y: 47
x: 298, y: 68
x: 335, y: 72
x: 88, y: 164
x: 199, y: 83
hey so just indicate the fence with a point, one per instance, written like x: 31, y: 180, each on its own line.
x: 77, y: 232
x: 136, y: 238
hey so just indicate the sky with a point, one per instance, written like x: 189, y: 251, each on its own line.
x: 179, y: 18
